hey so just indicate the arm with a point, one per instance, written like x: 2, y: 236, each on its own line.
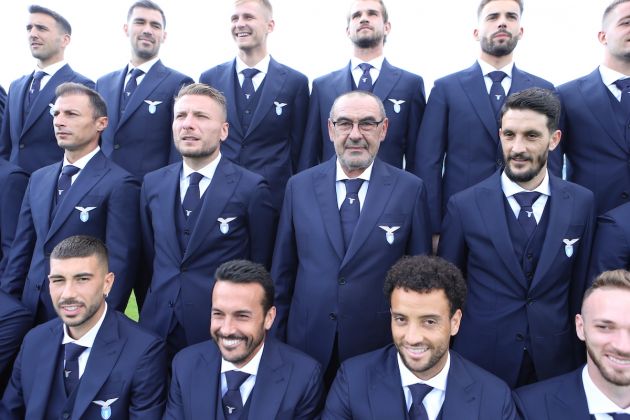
x: 13, y: 406
x: 418, y: 103
x: 311, y: 151
x: 311, y: 403
x: 5, y: 131
x: 298, y: 124
x: 420, y: 240
x: 611, y: 247
x: 11, y: 195
x: 148, y: 386
x: 14, y: 324
x: 261, y: 219
x: 175, y: 404
x: 338, y: 400
x: 122, y: 238
x: 145, y: 273
x: 452, y: 246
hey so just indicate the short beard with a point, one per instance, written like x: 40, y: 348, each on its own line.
x: 367, y: 42
x: 498, y: 50
x: 526, y: 176
x: 609, y: 377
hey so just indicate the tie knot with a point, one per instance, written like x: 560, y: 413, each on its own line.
x: 235, y: 379
x: 353, y: 185
x: 497, y: 76
x: 623, y: 84
x: 526, y: 199
x: 249, y: 73
x: 69, y: 170
x: 419, y: 391
x: 195, y: 177
x: 365, y: 67
x: 136, y: 72
x: 39, y: 75
x: 73, y: 351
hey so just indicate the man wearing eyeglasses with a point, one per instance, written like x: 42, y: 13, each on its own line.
x: 343, y: 224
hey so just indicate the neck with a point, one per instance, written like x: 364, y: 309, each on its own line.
x: 42, y: 64
x: 198, y: 163
x: 496, y: 62
x: 617, y: 65
x: 253, y: 56
x: 352, y: 173
x: 73, y: 155
x: 79, y: 331
x: 620, y: 395
x: 367, y: 54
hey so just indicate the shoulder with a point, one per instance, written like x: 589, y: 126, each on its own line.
x: 291, y: 72
x: 158, y: 175
x: 107, y: 78
x: 578, y: 191
x: 536, y: 81
x: 190, y: 355
x: 374, y: 360
x: 8, y: 169
x: 42, y: 333
x: 329, y: 78
x: 536, y: 393
x: 293, y: 356
x: 573, y: 85
x: 134, y: 332
x: 481, y: 376
x: 218, y: 69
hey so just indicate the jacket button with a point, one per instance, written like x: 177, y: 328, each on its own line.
x: 332, y: 316
x: 21, y: 145
x: 38, y: 286
x: 519, y: 337
x: 116, y: 146
x: 624, y: 195
x: 342, y: 281
x: 170, y: 304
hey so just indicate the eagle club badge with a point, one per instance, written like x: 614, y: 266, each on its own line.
x: 397, y: 103
x: 568, y: 246
x: 52, y: 109
x: 224, y: 225
x: 389, y: 233
x: 85, y: 213
x: 279, y: 106
x: 152, y: 105
x: 106, y: 409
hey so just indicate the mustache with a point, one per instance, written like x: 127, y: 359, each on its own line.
x: 231, y: 336
x: 522, y: 156
x: 70, y: 302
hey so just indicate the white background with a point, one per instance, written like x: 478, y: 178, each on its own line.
x: 429, y: 37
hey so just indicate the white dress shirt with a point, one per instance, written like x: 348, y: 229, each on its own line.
x: 487, y: 68
x: 50, y: 72
x: 341, y: 186
x: 433, y: 400
x: 207, y: 172
x: 375, y: 71
x: 599, y: 405
x: 538, y: 207
x: 609, y: 77
x: 251, y: 367
x: 262, y: 66
x: 86, y: 341
x: 80, y: 163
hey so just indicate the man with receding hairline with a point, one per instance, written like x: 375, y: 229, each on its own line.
x: 26, y: 137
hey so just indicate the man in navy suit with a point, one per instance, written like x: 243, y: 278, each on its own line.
x: 140, y: 97
x: 596, y: 113
x: 343, y: 224
x: 13, y: 181
x: 522, y: 238
x: 15, y: 321
x: 267, y: 101
x: 458, y: 144
x: 611, y: 246
x: 196, y: 215
x: 401, y: 92
x: 3, y: 101
x: 241, y: 373
x: 417, y: 377
x: 601, y: 389
x: 27, y: 138
x: 91, y: 362
x: 84, y: 194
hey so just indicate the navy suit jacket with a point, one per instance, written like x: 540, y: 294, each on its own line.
x: 611, y: 246
x: 271, y: 145
x: 460, y: 123
x: 369, y: 387
x: 594, y: 143
x: 393, y: 86
x: 504, y: 310
x: 29, y: 142
x: 101, y: 184
x: 13, y: 181
x: 180, y: 284
x: 140, y: 140
x: 15, y: 321
x: 321, y: 290
x: 288, y: 384
x: 125, y: 362
x: 559, y: 398
x: 3, y: 101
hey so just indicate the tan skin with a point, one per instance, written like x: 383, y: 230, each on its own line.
x: 47, y: 40
x: 615, y: 37
x: 366, y: 19
x: 251, y: 23
x: 496, y: 16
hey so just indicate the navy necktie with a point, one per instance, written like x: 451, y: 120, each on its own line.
x: 417, y: 410
x: 192, y: 197
x: 526, y: 215
x: 619, y: 416
x: 365, y: 81
x: 497, y: 93
x: 624, y: 86
x: 130, y: 88
x: 248, y: 85
x: 65, y: 180
x: 232, y: 401
x: 34, y: 90
x: 350, y: 209
x: 72, y: 351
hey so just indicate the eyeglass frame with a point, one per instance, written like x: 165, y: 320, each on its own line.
x: 371, y: 124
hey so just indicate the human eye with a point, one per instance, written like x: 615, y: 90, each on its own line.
x: 399, y: 319
x: 368, y: 125
x: 344, y: 125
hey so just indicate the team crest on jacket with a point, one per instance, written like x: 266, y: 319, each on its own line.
x: 152, y: 105
x: 224, y: 225
x: 397, y: 103
x: 106, y: 410
x: 85, y: 213
x: 568, y: 246
x: 389, y: 233
x: 279, y: 106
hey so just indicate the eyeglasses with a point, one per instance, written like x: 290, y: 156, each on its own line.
x: 365, y: 126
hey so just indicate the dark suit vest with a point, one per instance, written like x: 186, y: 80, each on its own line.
x: 219, y: 415
x: 244, y: 107
x: 185, y: 225
x: 59, y: 403
x: 621, y: 118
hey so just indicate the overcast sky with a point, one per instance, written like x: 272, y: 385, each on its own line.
x: 430, y: 38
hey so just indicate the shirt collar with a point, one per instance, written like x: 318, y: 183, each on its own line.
x: 366, y: 175
x: 487, y: 68
x: 438, y: 381
x: 377, y: 62
x: 53, y: 68
x: 262, y: 65
x: 207, y: 171
x: 88, y: 338
x: 598, y: 402
x: 145, y: 67
x: 510, y: 187
x: 82, y: 162
x: 251, y: 367
x: 610, y: 76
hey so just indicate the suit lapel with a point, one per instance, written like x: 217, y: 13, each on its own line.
x: 45, y: 367
x: 325, y: 192
x: 462, y: 396
x: 342, y: 82
x: 205, y: 389
x: 570, y: 400
x: 105, y: 351
x: 150, y: 82
x: 114, y: 92
x: 387, y: 79
x: 271, y: 383
x: 274, y: 81
x: 560, y: 208
x: 17, y: 102
x: 167, y: 203
x: 217, y: 195
x: 380, y: 189
x: 598, y: 102
x: 229, y: 80
x: 474, y: 88
x: 520, y: 81
x: 385, y: 395
x: 92, y: 173
x: 490, y: 201
x: 43, y: 194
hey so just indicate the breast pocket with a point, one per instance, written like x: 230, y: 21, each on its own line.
x: 392, y: 229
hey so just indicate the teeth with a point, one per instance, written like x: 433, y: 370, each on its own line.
x: 418, y: 350
x: 620, y: 361
x: 71, y: 308
x: 230, y: 343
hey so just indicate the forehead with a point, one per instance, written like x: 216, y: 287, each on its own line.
x: 524, y: 119
x: 73, y: 100
x: 146, y: 14
x: 500, y: 6
x: 253, y: 8
x: 357, y: 107
x: 42, y: 19
x: 232, y: 297
x: 414, y: 303
x: 620, y: 12
x: 363, y: 5
x: 72, y: 266
x: 609, y: 304
x: 197, y: 103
